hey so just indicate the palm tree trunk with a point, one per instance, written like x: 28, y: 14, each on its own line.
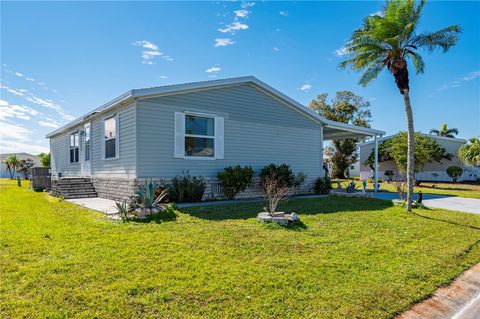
x: 410, y: 156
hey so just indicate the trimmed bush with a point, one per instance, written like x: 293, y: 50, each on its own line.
x: 389, y: 175
x: 234, y: 180
x: 454, y: 172
x: 187, y: 188
x: 323, y: 185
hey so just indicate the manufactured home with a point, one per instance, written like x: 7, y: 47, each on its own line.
x: 200, y: 128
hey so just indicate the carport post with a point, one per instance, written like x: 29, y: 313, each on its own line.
x: 375, y: 163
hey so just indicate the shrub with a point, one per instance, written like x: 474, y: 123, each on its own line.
x: 389, y: 175
x: 122, y: 209
x: 277, y: 183
x: 372, y: 180
x: 323, y: 185
x: 187, y: 189
x: 454, y: 172
x: 234, y: 180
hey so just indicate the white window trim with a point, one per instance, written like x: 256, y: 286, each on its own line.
x: 214, y: 137
x: 89, y: 125
x: 70, y: 146
x: 117, y: 137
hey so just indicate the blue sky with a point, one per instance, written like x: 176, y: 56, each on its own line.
x: 61, y: 60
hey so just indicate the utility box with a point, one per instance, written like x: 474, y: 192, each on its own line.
x: 41, y: 178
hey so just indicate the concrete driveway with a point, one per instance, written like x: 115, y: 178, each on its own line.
x: 461, y: 204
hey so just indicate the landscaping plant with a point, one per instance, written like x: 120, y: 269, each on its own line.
x: 234, y: 180
x: 277, y: 183
x: 454, y: 172
x: 147, y: 197
x: 351, y: 187
x: 186, y: 188
x: 469, y: 153
x: 388, y: 40
x: 323, y: 185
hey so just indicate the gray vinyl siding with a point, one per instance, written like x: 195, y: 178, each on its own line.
x: 124, y: 166
x: 259, y: 130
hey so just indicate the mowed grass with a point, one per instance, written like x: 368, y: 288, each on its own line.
x: 354, y: 258
x: 469, y: 190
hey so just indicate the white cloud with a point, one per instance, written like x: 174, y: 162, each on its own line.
x: 276, y: 49
x: 19, y: 74
x: 50, y: 123
x: 17, y: 147
x: 233, y: 27
x: 457, y: 83
x: 241, y: 13
x: 163, y: 77
x: 16, y: 132
x: 39, y: 101
x: 340, y: 52
x: 223, y: 42
x: 150, y: 51
x: 472, y: 76
x: 283, y: 13
x: 23, y: 112
x: 246, y: 4
x: 213, y: 69
x: 306, y: 87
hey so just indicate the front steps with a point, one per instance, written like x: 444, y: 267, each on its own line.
x: 73, y: 187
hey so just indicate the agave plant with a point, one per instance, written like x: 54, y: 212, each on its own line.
x: 352, y: 187
x: 147, y: 195
x: 122, y: 208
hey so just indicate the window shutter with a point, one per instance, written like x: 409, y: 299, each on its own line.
x: 219, y: 140
x: 179, y: 148
x: 102, y: 140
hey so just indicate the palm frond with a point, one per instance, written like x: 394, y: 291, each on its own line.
x: 416, y: 59
x: 444, y: 38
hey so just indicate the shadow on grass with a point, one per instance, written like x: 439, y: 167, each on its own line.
x: 444, y: 220
x: 298, y: 226
x: 310, y: 206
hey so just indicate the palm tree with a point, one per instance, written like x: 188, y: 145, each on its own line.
x: 445, y: 131
x: 470, y: 153
x: 12, y: 163
x: 388, y: 40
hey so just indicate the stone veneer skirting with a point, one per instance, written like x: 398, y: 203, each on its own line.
x: 122, y: 188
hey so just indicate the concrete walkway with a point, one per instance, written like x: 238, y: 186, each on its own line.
x: 461, y: 204
x: 103, y: 205
x: 459, y: 300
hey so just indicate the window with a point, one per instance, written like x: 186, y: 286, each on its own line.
x: 199, y: 136
x: 110, y: 129
x: 352, y: 167
x: 87, y: 142
x: 74, y: 143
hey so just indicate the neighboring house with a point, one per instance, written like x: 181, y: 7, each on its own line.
x: 3, y: 168
x: 354, y: 169
x: 199, y: 128
x: 432, y: 171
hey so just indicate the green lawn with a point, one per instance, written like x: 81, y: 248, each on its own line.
x: 354, y: 258
x: 451, y: 189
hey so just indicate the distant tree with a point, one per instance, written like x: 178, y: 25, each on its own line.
x: 11, y: 163
x: 348, y: 108
x: 469, y: 153
x: 388, y: 41
x: 396, y: 149
x: 445, y: 131
x: 44, y: 159
x: 454, y: 172
x: 25, y: 165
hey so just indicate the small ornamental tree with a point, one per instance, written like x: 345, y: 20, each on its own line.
x: 454, y: 172
x: 277, y: 183
x: 24, y: 166
x: 234, y: 180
